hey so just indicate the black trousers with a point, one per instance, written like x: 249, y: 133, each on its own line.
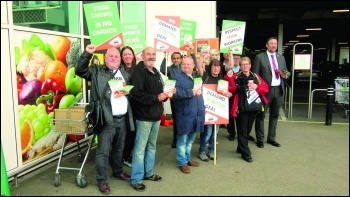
x: 245, y: 121
x: 110, y: 148
x: 274, y: 97
x: 231, y: 127
x: 129, y: 144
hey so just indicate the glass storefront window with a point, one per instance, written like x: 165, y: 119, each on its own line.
x: 60, y: 16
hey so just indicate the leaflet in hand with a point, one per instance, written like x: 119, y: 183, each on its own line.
x: 222, y: 86
x: 198, y: 83
x: 127, y: 88
x: 116, y: 85
x: 169, y: 86
x: 119, y: 87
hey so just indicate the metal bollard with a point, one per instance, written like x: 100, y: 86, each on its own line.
x: 329, y: 107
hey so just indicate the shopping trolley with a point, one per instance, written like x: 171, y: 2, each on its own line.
x: 72, y: 121
x: 342, y: 94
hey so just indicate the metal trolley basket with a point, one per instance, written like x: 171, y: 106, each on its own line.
x: 72, y: 121
x: 342, y: 94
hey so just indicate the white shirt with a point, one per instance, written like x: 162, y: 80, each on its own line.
x: 274, y: 81
x: 120, y: 103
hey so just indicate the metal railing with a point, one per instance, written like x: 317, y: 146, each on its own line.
x: 286, y: 95
x: 311, y: 99
x: 309, y: 115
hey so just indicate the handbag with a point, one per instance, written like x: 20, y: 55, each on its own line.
x: 94, y: 113
x: 250, y: 101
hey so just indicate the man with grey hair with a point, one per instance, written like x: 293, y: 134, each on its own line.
x: 117, y: 112
x: 147, y: 103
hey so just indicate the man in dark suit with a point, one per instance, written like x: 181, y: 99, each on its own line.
x: 273, y: 69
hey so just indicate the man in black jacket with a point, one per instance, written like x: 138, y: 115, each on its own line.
x: 117, y: 113
x: 148, y: 98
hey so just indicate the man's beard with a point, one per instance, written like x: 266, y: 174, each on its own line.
x: 150, y: 63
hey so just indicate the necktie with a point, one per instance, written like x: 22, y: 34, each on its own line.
x: 274, y: 66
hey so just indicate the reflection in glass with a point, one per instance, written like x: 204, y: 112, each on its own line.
x: 60, y: 16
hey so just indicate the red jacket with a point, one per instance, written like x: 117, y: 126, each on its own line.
x: 262, y: 89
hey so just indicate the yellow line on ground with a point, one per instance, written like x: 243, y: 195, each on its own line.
x: 294, y: 103
x: 313, y: 122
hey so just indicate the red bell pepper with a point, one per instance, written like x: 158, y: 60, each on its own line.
x: 51, y: 94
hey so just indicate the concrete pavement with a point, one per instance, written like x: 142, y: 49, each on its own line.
x: 313, y: 160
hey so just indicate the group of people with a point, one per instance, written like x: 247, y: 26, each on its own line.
x: 132, y: 119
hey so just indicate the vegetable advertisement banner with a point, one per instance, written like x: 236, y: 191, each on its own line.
x: 46, y: 81
x: 216, y: 105
x: 104, y: 25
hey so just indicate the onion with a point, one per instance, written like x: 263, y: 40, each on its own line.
x: 30, y: 92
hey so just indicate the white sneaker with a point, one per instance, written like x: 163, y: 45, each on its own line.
x: 127, y: 163
x: 202, y: 156
x: 211, y: 155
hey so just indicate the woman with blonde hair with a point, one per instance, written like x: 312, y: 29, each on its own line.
x: 208, y: 56
x: 214, y: 54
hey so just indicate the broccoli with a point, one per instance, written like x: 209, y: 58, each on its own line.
x: 73, y: 54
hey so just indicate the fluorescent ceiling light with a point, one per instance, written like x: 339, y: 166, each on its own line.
x: 314, y: 29
x: 340, y: 10
x: 342, y: 42
x: 284, y: 46
x: 302, y: 36
x: 293, y: 40
x: 321, y: 48
x: 289, y: 43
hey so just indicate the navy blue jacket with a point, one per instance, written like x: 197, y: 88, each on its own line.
x: 190, y: 109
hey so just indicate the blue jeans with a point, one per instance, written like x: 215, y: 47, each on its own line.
x: 144, y: 154
x: 183, y: 148
x: 207, y: 136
